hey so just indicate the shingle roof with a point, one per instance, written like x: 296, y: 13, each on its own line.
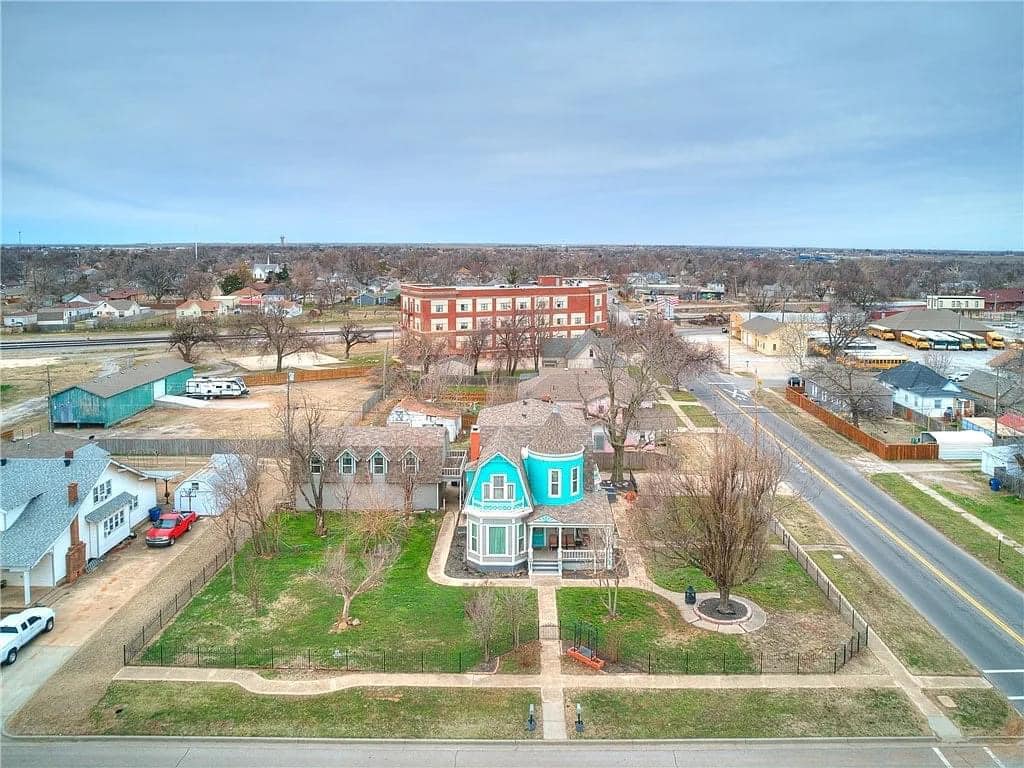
x: 555, y: 438
x: 575, y: 385
x: 44, y: 481
x: 761, y: 324
x: 394, y: 441
x: 931, y: 320
x: 108, y: 386
x: 1010, y: 389
x: 593, y: 509
x: 914, y: 377
x: 525, y: 417
x: 104, y: 511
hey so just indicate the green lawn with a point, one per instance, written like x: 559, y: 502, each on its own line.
x: 683, y: 396
x: 908, y: 634
x: 181, y: 709
x: 1002, y: 511
x: 780, y: 585
x: 688, y: 714
x: 406, y: 616
x: 981, y: 712
x: 964, y: 534
x: 700, y: 416
x: 650, y: 629
x: 6, y: 392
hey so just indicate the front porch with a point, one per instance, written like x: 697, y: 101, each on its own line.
x: 557, y: 548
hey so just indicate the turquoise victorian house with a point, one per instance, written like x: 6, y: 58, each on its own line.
x: 531, y: 500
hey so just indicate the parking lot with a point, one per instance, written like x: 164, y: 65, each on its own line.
x: 85, y: 606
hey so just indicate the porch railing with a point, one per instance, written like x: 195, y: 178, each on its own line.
x: 578, y: 555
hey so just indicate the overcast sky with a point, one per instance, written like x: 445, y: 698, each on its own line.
x: 861, y: 125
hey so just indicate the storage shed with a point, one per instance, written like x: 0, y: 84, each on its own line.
x: 109, y: 399
x: 199, y: 491
x: 958, y: 446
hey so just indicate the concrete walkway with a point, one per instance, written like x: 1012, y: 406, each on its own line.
x: 665, y: 398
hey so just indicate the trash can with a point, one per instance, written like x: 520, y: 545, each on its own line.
x: 995, y: 483
x: 691, y: 596
x: 154, y: 514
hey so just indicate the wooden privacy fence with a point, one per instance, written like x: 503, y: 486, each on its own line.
x: 881, y: 449
x: 633, y: 460
x: 301, y: 374
x: 188, y: 446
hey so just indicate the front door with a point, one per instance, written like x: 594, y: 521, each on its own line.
x: 538, y: 538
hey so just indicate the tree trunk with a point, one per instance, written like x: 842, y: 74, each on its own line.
x: 346, y: 607
x: 280, y: 360
x: 321, y: 523
x: 618, y: 460
x: 724, y: 606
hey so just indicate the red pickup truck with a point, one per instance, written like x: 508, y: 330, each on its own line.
x: 169, y: 527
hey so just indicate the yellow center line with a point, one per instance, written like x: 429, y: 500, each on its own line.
x: 885, y: 529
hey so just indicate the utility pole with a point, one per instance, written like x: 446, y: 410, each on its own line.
x: 49, y: 400
x: 384, y: 372
x: 197, y: 252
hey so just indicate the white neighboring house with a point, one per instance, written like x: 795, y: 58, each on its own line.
x: 199, y: 491
x: 263, y: 271
x: 117, y: 308
x: 19, y: 319
x: 285, y: 308
x: 63, y: 502
x: 418, y: 414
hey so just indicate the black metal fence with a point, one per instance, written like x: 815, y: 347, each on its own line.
x: 705, y: 661
x: 167, y: 611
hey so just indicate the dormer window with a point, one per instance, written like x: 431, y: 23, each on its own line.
x: 378, y: 464
x: 410, y: 463
x: 498, y: 489
x: 574, y: 481
x: 347, y: 464
x: 316, y: 465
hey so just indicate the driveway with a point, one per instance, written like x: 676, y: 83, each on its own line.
x: 82, y: 609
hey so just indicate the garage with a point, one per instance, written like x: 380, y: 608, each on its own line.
x: 958, y: 446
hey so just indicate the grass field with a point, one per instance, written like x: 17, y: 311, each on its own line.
x: 803, y: 421
x: 908, y: 634
x: 687, y: 714
x: 649, y: 628
x: 683, y: 396
x: 179, y: 709
x: 407, y: 615
x: 804, y: 524
x: 700, y: 416
x: 1003, y: 513
x: 981, y: 712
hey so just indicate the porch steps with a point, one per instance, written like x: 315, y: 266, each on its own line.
x: 545, y: 567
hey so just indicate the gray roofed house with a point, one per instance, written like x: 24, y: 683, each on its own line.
x: 577, y: 385
x: 986, y: 388
x: 555, y: 438
x: 526, y: 416
x: 911, y: 375
x: 107, y: 386
x: 63, y: 501
x: 579, y: 352
x: 761, y: 325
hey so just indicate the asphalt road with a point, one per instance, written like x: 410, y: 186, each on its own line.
x: 243, y: 753
x: 992, y: 648
x: 145, y: 340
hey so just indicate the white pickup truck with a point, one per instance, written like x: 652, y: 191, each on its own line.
x: 18, y: 629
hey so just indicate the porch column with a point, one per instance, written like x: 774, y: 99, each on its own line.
x: 26, y: 581
x: 559, y: 548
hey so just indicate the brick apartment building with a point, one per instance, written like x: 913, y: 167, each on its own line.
x: 568, y: 306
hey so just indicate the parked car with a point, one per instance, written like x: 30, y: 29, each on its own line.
x: 169, y: 528
x: 18, y: 629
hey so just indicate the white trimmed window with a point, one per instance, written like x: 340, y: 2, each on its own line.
x: 521, y: 538
x: 597, y: 317
x: 316, y: 465
x: 497, y: 540
x: 439, y: 307
x: 483, y: 305
x: 554, y: 482
x: 465, y: 305
x: 464, y: 323
x: 474, y: 537
x: 378, y: 464
x: 598, y: 300
x: 410, y: 463
x: 561, y: 302
x: 101, y: 492
x: 347, y: 464
x: 574, y: 481
x: 113, y: 522
x: 542, y: 302
x: 504, y: 305
x: 498, y: 489
x: 579, y: 318
x: 523, y: 303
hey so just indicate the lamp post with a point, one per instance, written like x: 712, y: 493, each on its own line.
x: 579, y: 718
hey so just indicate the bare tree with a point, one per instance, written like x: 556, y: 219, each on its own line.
x: 422, y: 350
x: 684, y: 360
x: 271, y: 333
x: 843, y: 323
x: 607, y: 567
x: 310, y: 461
x: 476, y: 342
x: 763, y: 299
x: 941, y: 361
x: 158, y: 274
x: 516, y: 608
x: 197, y: 283
x: 716, y: 518
x: 538, y: 330
x: 483, y: 614
x: 857, y: 394
x: 512, y: 339
x: 351, y: 333
x: 349, y: 572
x: 189, y: 334
x: 630, y: 387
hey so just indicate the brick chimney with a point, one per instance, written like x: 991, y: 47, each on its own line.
x: 69, y: 454
x: 474, y: 443
x: 72, y: 494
